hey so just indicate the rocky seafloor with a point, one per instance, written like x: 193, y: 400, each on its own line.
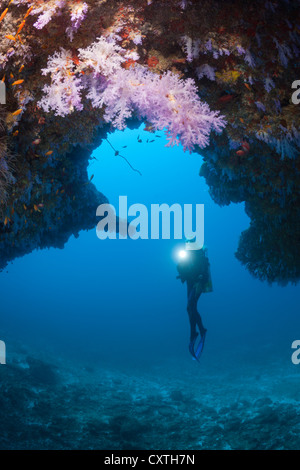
x: 52, y: 403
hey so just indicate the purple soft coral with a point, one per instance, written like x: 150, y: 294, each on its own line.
x: 167, y: 101
x: 77, y: 16
x: 175, y: 105
x: 63, y: 95
x: 47, y: 10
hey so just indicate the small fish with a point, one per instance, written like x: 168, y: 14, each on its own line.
x: 179, y: 61
x: 18, y: 82
x: 16, y: 113
x: 28, y: 13
x: 242, y: 120
x: 36, y: 142
x: 240, y: 153
x: 11, y: 75
x: 151, y: 141
x: 25, y: 207
x: 125, y: 147
x: 6, y: 221
x: 3, y: 14
x: 16, y: 133
x: 225, y: 99
x: 10, y: 37
x: 21, y: 27
x: 149, y: 128
x: 41, y: 205
x: 21, y: 68
x: 140, y: 141
x: 247, y: 86
x: 19, y: 37
x: 245, y: 146
x: 36, y: 208
x: 3, y: 79
x: 92, y: 177
x: 49, y: 153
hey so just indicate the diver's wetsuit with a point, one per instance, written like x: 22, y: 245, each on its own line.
x: 195, y: 272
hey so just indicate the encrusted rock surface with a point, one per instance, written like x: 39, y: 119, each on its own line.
x: 63, y: 96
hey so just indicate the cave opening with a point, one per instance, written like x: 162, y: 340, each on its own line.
x: 114, y: 277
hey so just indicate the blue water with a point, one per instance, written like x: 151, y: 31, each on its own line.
x: 111, y: 314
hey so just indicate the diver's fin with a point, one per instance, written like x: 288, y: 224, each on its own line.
x: 200, y: 346
x: 191, y: 347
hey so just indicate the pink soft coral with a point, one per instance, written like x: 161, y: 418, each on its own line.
x: 64, y: 93
x: 175, y: 105
x: 78, y: 14
x: 46, y: 11
x: 103, y: 57
x: 167, y: 101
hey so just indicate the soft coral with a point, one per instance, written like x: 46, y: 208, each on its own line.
x: 64, y: 93
x: 167, y: 101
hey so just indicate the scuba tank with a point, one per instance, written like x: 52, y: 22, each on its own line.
x: 196, y: 268
x: 208, y: 286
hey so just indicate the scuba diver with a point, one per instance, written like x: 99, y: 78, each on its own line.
x: 194, y: 269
